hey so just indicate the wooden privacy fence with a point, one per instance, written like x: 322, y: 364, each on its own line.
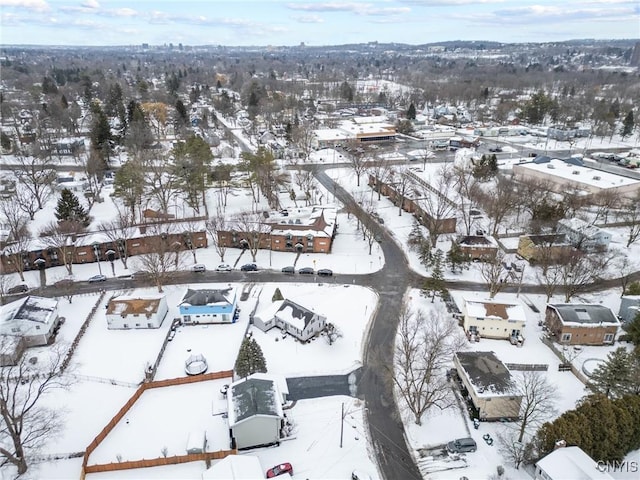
x: 125, y: 408
x: 157, y: 462
x: 81, y: 332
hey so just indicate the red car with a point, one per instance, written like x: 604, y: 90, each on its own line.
x: 280, y: 470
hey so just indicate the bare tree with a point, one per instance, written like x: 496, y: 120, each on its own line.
x: 492, y: 272
x: 576, y: 270
x: 26, y: 422
x: 118, y: 231
x: 498, y: 202
x: 162, y: 186
x: 214, y: 225
x: 252, y: 230
x: 37, y: 176
x: 539, y: 398
x: 467, y: 187
x: 60, y: 236
x: 631, y: 215
x: 163, y: 257
x: 512, y: 449
x: 435, y: 204
x: 605, y: 202
x: 357, y: 161
x: 25, y: 201
x: 425, y: 347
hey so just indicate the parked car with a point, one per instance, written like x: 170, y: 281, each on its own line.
x: 325, y: 272
x: 223, y: 267
x: 462, y: 445
x: 172, y: 334
x: 288, y: 270
x: 198, y: 267
x: 249, y: 267
x: 18, y: 289
x: 495, y: 149
x: 280, y: 470
x: 98, y: 278
x: 306, y: 271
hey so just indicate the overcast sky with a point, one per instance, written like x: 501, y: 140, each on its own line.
x: 271, y: 22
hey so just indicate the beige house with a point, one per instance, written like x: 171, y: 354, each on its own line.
x: 489, y: 384
x: 493, y: 319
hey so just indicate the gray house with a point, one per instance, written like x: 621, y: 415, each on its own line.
x: 291, y: 318
x: 255, y: 412
x: 582, y: 235
x: 629, y: 308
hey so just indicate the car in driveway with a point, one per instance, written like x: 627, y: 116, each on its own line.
x: 325, y: 272
x: 97, y: 278
x: 22, y: 288
x: 288, y: 270
x: 223, y: 267
x: 462, y: 445
x: 280, y: 470
x: 249, y: 267
x: 306, y: 271
x: 495, y: 149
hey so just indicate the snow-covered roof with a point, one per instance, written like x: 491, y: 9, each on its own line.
x: 493, y: 309
x: 315, y: 221
x: 584, y: 314
x: 578, y: 225
x: 27, y: 316
x: 488, y: 376
x: 133, y: 305
x: 583, y: 175
x: 253, y: 396
x: 234, y: 467
x: 208, y: 297
x: 571, y: 462
x: 294, y: 314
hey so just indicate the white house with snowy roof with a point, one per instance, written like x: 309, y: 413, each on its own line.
x: 569, y: 462
x: 32, y: 318
x: 126, y: 312
x: 255, y: 413
x: 290, y: 317
x: 209, y: 306
x: 583, y: 235
x: 493, y: 319
x: 489, y: 383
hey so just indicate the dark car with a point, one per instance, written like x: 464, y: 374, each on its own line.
x: 18, y: 289
x: 462, y: 445
x: 98, y: 278
x: 495, y: 149
x: 280, y: 470
x: 325, y: 272
x: 306, y: 271
x: 288, y: 270
x: 249, y: 267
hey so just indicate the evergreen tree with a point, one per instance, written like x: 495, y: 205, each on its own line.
x: 613, y: 378
x: 346, y: 91
x: 181, y: 110
x: 633, y: 289
x: 100, y: 133
x: 277, y: 295
x: 411, y: 113
x: 456, y: 259
x: 415, y: 238
x: 633, y: 330
x: 435, y: 284
x: 627, y: 125
x: 424, y: 252
x: 63, y: 102
x: 70, y: 210
x: 250, y: 359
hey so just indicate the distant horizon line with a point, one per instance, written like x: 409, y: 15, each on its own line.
x: 305, y: 45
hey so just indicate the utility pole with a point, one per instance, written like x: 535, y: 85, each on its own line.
x: 341, y: 424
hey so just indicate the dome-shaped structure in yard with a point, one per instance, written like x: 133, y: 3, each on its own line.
x: 195, y: 365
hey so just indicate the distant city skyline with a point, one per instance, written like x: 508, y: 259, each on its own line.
x: 313, y: 22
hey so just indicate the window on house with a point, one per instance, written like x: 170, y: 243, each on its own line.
x: 126, y: 326
x: 137, y: 324
x: 608, y: 337
x: 566, y: 337
x: 149, y: 325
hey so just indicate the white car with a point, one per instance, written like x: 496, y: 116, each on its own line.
x: 223, y: 267
x: 199, y: 267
